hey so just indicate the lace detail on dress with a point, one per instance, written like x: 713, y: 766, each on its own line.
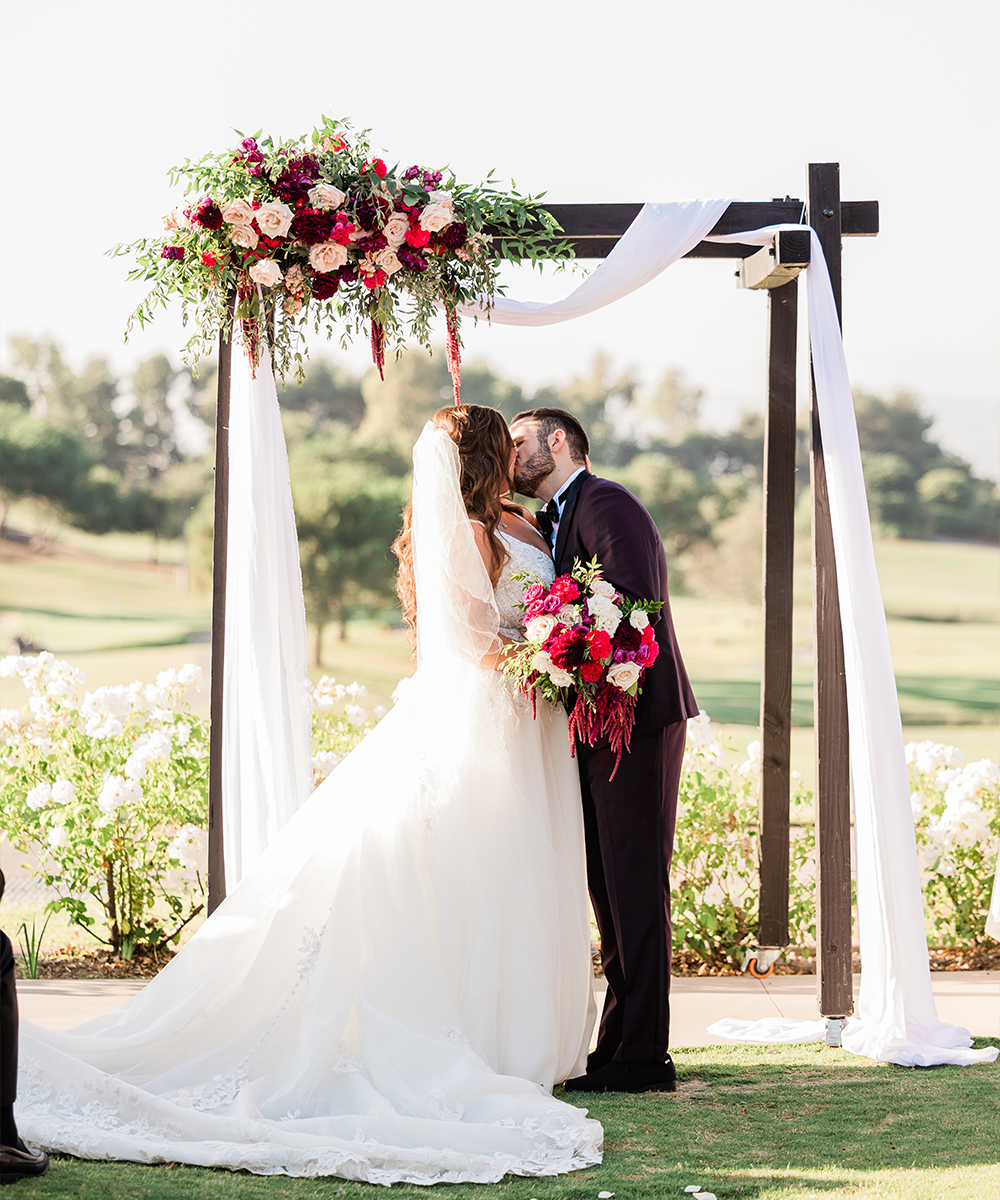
x: 508, y: 593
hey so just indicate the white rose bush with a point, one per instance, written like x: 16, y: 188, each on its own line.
x: 714, y: 879
x: 956, y: 816
x: 109, y: 794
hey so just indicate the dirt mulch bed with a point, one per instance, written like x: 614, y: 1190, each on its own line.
x: 102, y: 964
x: 98, y: 964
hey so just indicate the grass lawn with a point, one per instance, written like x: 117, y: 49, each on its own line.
x: 799, y: 1121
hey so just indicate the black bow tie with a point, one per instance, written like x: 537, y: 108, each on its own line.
x: 547, y: 517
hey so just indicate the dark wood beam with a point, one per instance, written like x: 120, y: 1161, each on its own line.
x: 776, y: 681
x: 594, y: 229
x: 833, y: 772
x: 220, y: 546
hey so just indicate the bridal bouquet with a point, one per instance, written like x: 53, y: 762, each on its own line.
x: 587, y: 647
x: 321, y: 227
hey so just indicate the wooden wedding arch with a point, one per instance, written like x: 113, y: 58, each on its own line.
x: 594, y: 230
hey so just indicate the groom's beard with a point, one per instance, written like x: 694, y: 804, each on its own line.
x: 534, y: 472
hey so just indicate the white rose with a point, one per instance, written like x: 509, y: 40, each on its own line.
x: 607, y: 616
x: 243, y: 235
x: 190, y: 674
x: 714, y: 895
x: 541, y: 662
x: 238, y: 213
x: 560, y: 677
x: 327, y: 256
x: 538, y: 629
x: 436, y: 217
x: 638, y: 619
x: 266, y: 272
x: 356, y: 714
x: 441, y: 198
x: 396, y: 229
x: 569, y: 614
x: 623, y: 675
x: 274, y: 218
x: 601, y: 587
x: 325, y: 195
x: 63, y: 792
x: 388, y: 261
x: 39, y: 796
x: 57, y: 836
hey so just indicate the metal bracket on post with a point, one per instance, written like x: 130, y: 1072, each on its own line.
x: 834, y: 1030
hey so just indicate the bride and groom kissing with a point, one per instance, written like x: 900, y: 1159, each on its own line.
x: 394, y: 989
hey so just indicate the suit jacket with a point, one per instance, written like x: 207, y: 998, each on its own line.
x: 605, y: 520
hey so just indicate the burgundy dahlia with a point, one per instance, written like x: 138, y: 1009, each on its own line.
x: 372, y: 244
x: 312, y: 226
x: 208, y: 214
x: 373, y: 212
x: 174, y: 252
x: 570, y: 649
x: 412, y: 259
x: 455, y: 235
x: 324, y: 286
x: 347, y: 274
x: 627, y: 637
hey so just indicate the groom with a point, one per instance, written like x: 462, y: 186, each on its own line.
x: 628, y: 820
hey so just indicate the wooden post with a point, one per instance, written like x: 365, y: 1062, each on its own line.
x: 833, y: 775
x: 776, y: 682
x: 216, y: 859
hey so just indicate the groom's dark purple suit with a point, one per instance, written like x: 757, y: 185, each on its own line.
x: 629, y: 820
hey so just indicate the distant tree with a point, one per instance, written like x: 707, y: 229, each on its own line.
x: 347, y: 512
x: 328, y: 393
x: 415, y: 386
x: 14, y: 391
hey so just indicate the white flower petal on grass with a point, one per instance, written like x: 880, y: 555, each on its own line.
x: 704, y: 1196
x: 604, y: 1195
x: 693, y: 1187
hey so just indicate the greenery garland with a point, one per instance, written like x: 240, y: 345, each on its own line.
x: 319, y: 229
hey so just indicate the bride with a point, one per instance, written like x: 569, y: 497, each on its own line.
x: 391, y: 994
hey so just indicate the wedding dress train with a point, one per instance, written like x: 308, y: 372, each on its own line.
x: 393, y: 990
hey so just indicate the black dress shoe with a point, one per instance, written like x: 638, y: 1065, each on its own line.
x: 21, y: 1164
x: 627, y: 1077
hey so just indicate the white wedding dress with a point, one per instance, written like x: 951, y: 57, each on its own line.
x: 393, y: 990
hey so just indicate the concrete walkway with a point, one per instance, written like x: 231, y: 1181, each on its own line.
x: 969, y: 998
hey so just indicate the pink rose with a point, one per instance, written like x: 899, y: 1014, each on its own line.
x: 396, y: 229
x: 436, y: 217
x: 552, y: 604
x: 243, y: 235
x: 325, y: 195
x: 535, y: 610
x: 274, y: 218
x: 238, y: 213
x: 266, y: 272
x: 533, y: 593
x: 327, y: 256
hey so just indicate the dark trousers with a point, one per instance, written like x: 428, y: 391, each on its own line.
x: 629, y: 826
x: 8, y: 1024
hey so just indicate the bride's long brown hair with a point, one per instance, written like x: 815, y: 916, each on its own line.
x: 484, y: 454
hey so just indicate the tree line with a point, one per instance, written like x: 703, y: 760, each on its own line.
x: 135, y: 454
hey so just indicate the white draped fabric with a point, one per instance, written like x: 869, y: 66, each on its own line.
x: 896, y: 1020
x: 266, y: 760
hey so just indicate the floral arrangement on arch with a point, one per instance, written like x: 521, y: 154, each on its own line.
x: 587, y: 647
x: 320, y: 228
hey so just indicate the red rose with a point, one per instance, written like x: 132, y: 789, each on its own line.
x: 208, y: 258
x: 648, y: 636
x: 654, y: 650
x: 417, y: 238
x: 592, y: 671
x: 380, y: 168
x: 565, y: 589
x: 600, y: 644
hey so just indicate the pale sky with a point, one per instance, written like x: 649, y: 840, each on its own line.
x: 587, y: 101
